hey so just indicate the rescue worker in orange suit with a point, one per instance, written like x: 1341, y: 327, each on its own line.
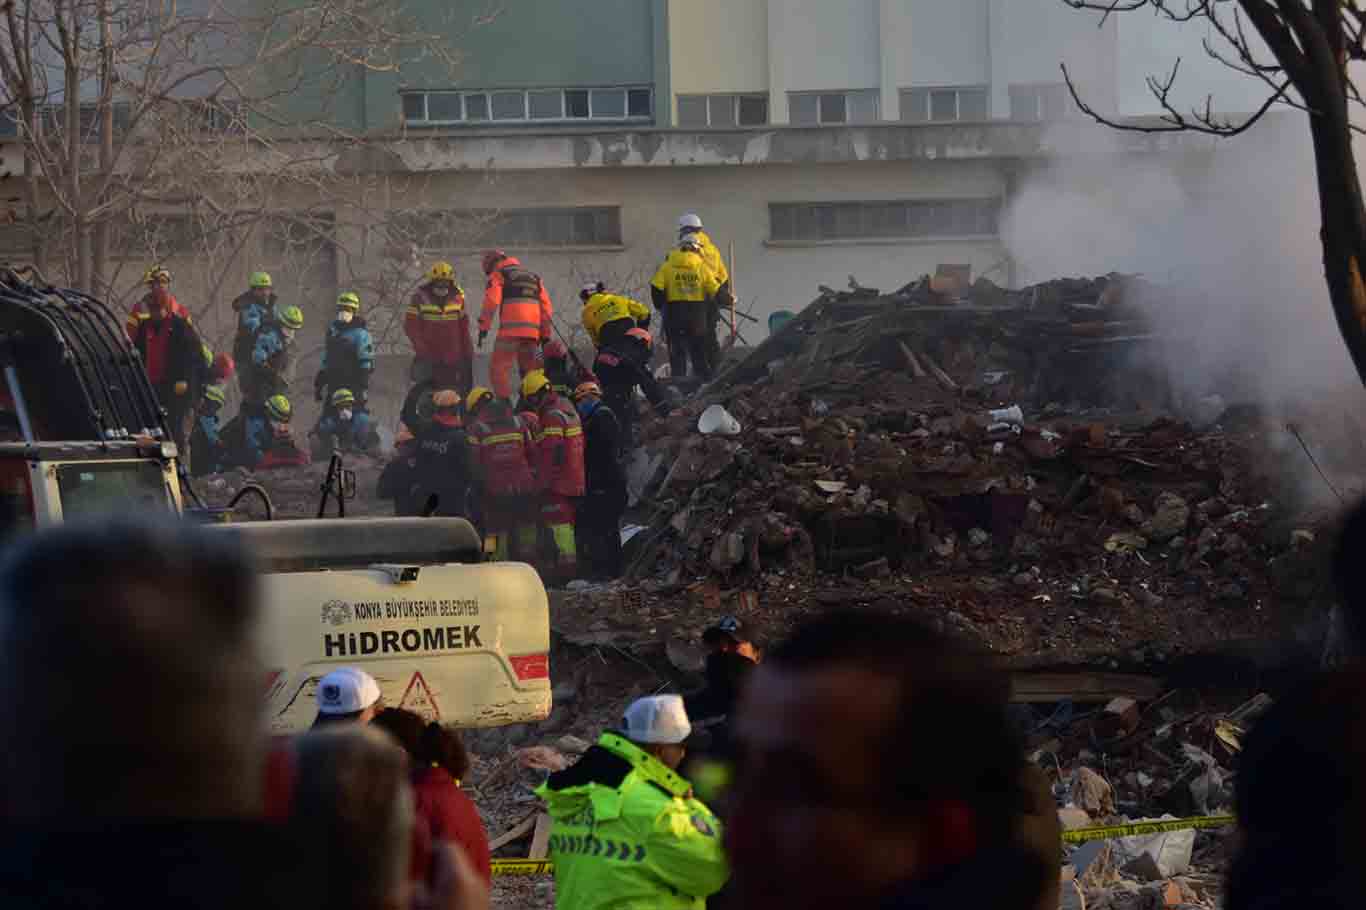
x: 156, y: 279
x: 519, y: 300
x: 438, y: 326
x: 502, y: 465
x: 607, y: 317
x: 684, y: 290
x: 173, y: 357
x: 621, y: 368
x: 443, y: 462
x: 597, y: 525
x: 560, y: 469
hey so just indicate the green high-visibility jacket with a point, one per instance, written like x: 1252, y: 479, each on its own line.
x: 627, y: 834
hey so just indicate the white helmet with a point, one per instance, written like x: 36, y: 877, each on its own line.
x: 690, y: 221
x: 657, y: 719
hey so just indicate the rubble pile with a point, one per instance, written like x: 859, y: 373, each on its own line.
x: 1003, y: 436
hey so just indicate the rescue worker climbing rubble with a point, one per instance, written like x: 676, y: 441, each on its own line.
x: 607, y: 317
x: 556, y: 359
x: 348, y: 354
x: 519, y: 300
x: 626, y: 829
x: 503, y: 470
x: 253, y: 308
x: 559, y: 470
x: 684, y: 289
x: 597, y: 526
x: 157, y: 280
x: 438, y: 325
x: 621, y: 368
x: 690, y: 226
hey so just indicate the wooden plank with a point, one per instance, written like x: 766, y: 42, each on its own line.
x: 540, y: 840
x: 939, y: 374
x: 516, y: 832
x: 911, y: 360
x: 1044, y: 687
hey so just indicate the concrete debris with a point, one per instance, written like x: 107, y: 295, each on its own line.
x: 1156, y: 857
x: 1092, y: 793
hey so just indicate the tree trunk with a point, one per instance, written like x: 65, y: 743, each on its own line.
x: 99, y: 238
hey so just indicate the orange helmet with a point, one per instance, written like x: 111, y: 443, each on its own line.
x: 491, y: 260
x: 587, y: 388
x: 641, y: 335
x: 223, y: 366
x: 447, y: 404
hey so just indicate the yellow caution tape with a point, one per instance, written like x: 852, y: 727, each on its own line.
x: 531, y: 867
x: 1109, y: 832
x: 522, y: 867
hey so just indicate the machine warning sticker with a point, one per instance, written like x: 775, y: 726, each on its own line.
x: 407, y: 641
x: 418, y: 698
x: 339, y: 612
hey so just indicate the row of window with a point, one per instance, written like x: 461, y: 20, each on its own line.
x: 570, y: 105
x: 918, y: 105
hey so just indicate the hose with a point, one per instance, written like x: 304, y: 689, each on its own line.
x: 260, y: 491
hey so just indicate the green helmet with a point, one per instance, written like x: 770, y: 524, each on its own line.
x: 215, y: 394
x: 291, y: 317
x: 343, y: 397
x: 279, y: 408
x: 260, y: 279
x: 349, y: 301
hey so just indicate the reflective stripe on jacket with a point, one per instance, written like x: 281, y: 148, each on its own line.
x: 439, y: 329
x: 501, y: 448
x: 519, y: 299
x: 627, y: 834
x: 560, y: 463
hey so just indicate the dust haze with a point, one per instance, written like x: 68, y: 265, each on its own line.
x: 1229, y: 231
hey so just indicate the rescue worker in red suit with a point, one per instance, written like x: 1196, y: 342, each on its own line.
x: 620, y: 368
x: 173, y: 356
x: 519, y: 300
x: 563, y: 378
x: 154, y: 278
x: 438, y: 326
x: 501, y: 463
x: 560, y: 469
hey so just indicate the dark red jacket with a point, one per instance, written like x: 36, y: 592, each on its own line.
x: 451, y: 816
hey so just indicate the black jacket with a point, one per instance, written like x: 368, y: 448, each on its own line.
x: 602, y: 455
x: 443, y: 467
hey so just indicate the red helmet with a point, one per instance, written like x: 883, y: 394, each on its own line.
x: 491, y: 260
x: 223, y: 366
x: 642, y: 335
x: 554, y: 350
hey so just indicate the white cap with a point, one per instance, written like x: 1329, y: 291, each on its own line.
x: 347, y: 691
x: 689, y: 220
x: 657, y: 719
x: 590, y: 288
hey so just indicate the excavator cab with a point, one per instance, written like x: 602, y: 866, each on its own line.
x: 81, y: 430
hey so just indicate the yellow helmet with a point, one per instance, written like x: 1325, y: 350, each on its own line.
x: 349, y: 300
x: 441, y: 271
x: 279, y: 408
x: 157, y: 274
x: 478, y: 395
x: 533, y: 382
x: 343, y: 397
x: 215, y: 394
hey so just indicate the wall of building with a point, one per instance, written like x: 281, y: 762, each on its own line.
x: 1029, y: 40
x: 733, y: 203
x: 718, y: 46
x: 948, y: 43
x: 816, y: 44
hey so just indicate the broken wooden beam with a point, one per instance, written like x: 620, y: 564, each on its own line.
x: 1046, y: 687
x: 516, y: 832
x: 939, y: 374
x: 911, y: 360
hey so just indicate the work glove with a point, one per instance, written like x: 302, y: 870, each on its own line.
x: 482, y: 335
x: 182, y: 387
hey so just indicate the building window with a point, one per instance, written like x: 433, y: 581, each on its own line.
x: 905, y: 219
x: 722, y: 110
x: 588, y: 226
x: 1040, y: 102
x: 554, y: 105
x: 818, y: 108
x: 921, y: 105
